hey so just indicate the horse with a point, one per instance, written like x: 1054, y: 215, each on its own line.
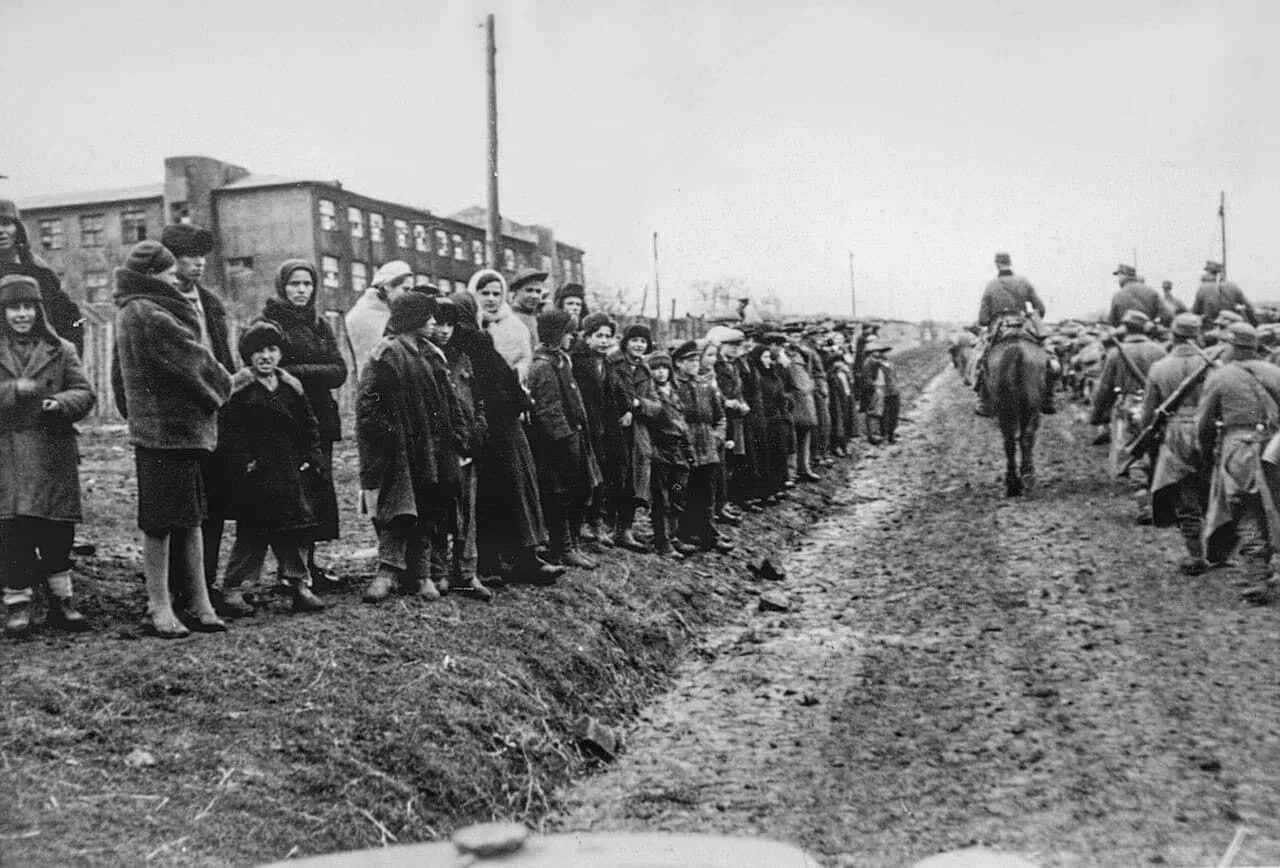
x: 1017, y: 376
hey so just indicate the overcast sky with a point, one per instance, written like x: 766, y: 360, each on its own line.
x: 763, y: 141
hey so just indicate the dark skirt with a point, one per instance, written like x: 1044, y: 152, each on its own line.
x: 508, y: 511
x: 171, y: 491
x: 322, y: 496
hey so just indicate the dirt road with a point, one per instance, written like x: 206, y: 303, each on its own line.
x: 957, y: 668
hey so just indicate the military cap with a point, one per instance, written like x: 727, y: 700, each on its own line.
x: 1213, y: 267
x: 1243, y: 335
x: 1135, y: 318
x: 1226, y: 318
x: 527, y: 275
x: 1186, y: 325
x: 686, y: 350
x: 1125, y: 270
x: 1002, y: 258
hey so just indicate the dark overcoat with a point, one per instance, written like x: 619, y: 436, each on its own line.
x: 634, y: 382
x: 558, y: 427
x: 704, y: 413
x: 778, y: 434
x: 605, y: 404
x: 311, y: 355
x: 39, y: 473
x: 265, y: 438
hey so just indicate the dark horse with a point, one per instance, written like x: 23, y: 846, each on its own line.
x: 1017, y: 370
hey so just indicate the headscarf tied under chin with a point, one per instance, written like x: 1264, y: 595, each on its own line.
x: 482, y: 278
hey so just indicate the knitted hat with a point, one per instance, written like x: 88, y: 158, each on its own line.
x: 259, y: 335
x: 638, y: 330
x: 18, y: 287
x: 410, y: 312
x: 187, y: 239
x: 1186, y: 325
x: 686, y: 350
x: 1243, y: 335
x: 596, y: 321
x: 660, y: 359
x: 150, y: 257
x: 552, y: 325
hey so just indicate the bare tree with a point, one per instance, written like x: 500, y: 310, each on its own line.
x: 613, y: 299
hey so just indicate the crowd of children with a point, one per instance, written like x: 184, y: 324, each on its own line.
x: 496, y: 443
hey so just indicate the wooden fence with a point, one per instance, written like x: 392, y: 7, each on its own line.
x: 99, y: 344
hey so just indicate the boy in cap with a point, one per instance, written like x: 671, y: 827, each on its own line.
x: 704, y: 414
x: 42, y: 394
x: 567, y: 471
x: 16, y: 257
x: 408, y: 433
x: 672, y: 456
x: 269, y: 445
x: 599, y: 398
x: 174, y: 430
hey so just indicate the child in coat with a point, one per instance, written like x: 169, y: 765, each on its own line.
x: 269, y: 443
x: 672, y: 456
x: 704, y: 413
x: 42, y: 393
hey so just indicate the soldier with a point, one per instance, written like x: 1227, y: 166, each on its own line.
x: 1120, y: 387
x: 1007, y: 296
x: 1171, y: 301
x: 1217, y: 294
x: 1238, y: 414
x: 1133, y: 294
x: 1179, y: 484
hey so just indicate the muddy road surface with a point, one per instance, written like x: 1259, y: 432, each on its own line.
x: 956, y: 668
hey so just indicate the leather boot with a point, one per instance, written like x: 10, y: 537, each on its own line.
x: 63, y: 615
x: 17, y: 622
x: 234, y: 605
x: 305, y: 601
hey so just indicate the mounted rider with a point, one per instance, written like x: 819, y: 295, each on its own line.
x: 1217, y: 294
x: 1010, y: 310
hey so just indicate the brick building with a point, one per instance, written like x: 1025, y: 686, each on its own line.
x: 259, y: 221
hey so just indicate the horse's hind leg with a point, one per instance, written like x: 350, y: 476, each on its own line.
x: 1012, y: 479
x: 1028, y: 443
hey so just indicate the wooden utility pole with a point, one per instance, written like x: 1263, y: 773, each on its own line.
x: 493, y: 235
x: 657, y: 291
x: 1222, y: 217
x: 853, y: 294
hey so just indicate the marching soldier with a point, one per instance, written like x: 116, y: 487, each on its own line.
x: 1120, y: 388
x: 1217, y: 294
x: 1239, y: 412
x: 1178, y: 485
x: 1171, y: 301
x: 1133, y: 294
x: 1008, y: 295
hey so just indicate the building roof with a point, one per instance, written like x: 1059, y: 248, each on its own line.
x: 89, y: 197
x: 252, y: 181
x: 479, y: 217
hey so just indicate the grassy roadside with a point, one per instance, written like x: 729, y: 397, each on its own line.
x: 363, y: 725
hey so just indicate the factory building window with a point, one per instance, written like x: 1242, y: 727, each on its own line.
x: 359, y: 277
x: 133, y: 225
x: 375, y: 227
x: 402, y: 233
x: 332, y: 279
x: 420, y: 238
x: 355, y: 219
x: 508, y: 259
x: 51, y: 233
x: 546, y: 263
x: 459, y: 252
x: 477, y: 252
x: 442, y: 243
x: 91, y: 230
x: 328, y: 215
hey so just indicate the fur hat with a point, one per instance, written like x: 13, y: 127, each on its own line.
x: 596, y: 321
x: 18, y: 287
x: 570, y: 290
x: 1186, y: 325
x: 150, y: 257
x: 686, y: 350
x: 552, y: 325
x: 446, y: 312
x: 410, y: 312
x: 187, y: 239
x: 659, y: 359
x: 259, y: 335
x: 638, y: 330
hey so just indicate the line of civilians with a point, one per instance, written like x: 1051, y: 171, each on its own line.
x: 502, y: 437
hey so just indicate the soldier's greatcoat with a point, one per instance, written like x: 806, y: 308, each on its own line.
x: 1179, y: 451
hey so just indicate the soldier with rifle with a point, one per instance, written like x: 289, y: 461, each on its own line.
x: 1179, y: 484
x: 1117, y: 401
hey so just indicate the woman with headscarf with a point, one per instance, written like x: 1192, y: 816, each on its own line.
x: 509, y: 521
x: 773, y: 382
x: 311, y: 354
